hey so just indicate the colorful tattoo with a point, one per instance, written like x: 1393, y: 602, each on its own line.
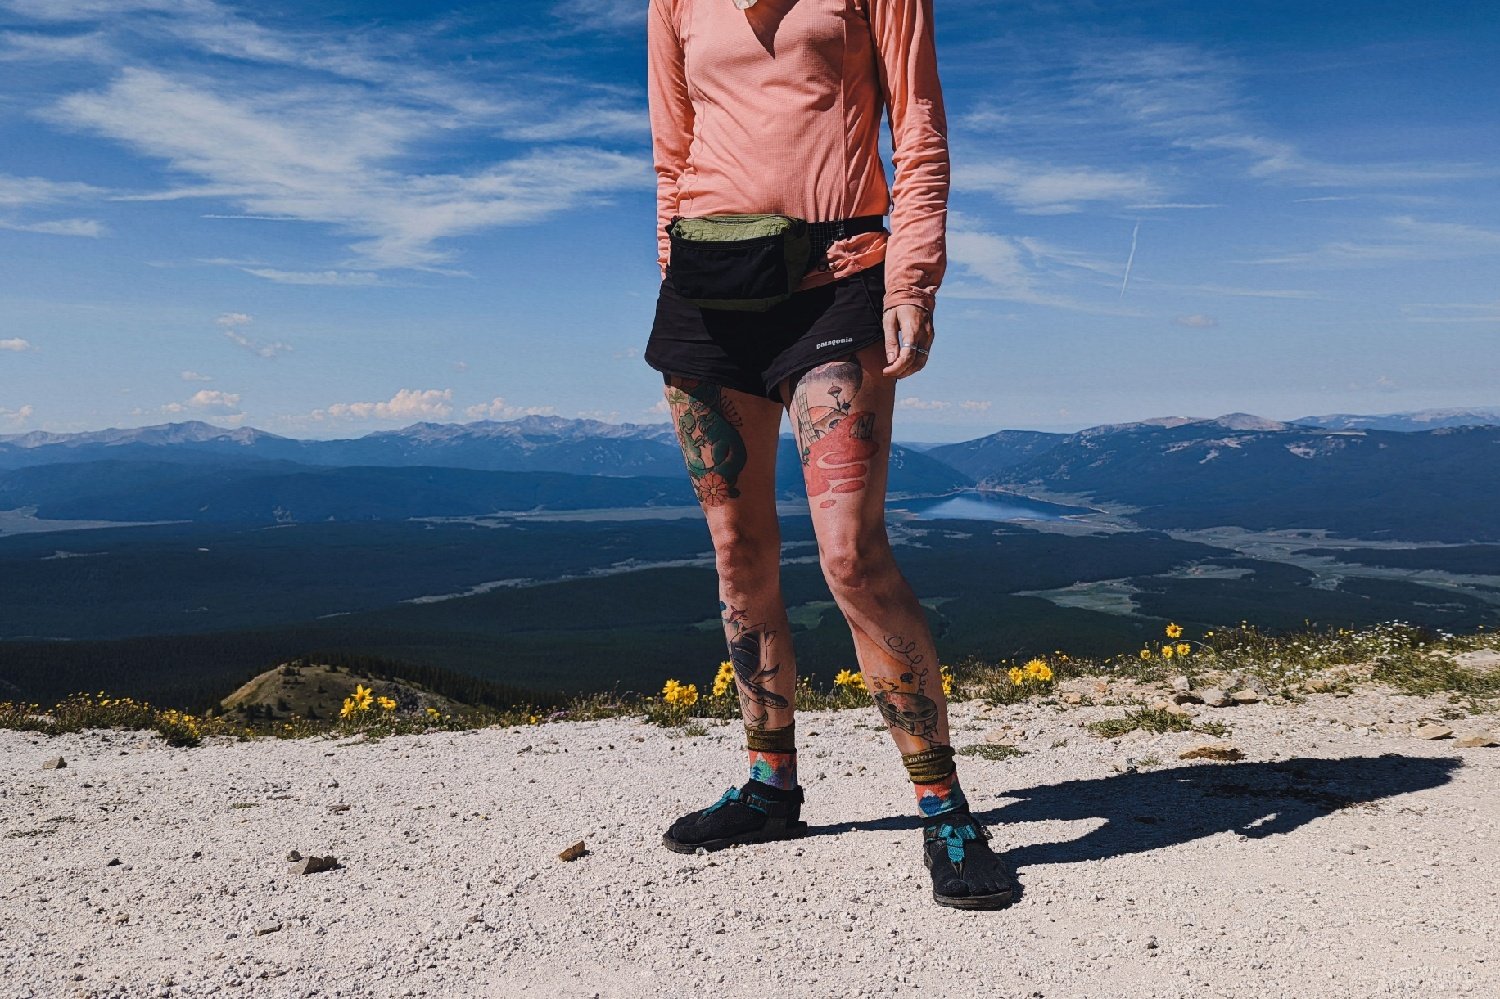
x: 707, y: 429
x: 776, y: 769
x: 940, y: 797
x: 837, y: 441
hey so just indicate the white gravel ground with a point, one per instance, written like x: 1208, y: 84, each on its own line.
x: 1169, y: 879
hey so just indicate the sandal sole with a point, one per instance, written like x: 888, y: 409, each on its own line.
x: 999, y: 900
x: 793, y: 831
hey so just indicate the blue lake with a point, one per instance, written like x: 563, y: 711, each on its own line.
x: 983, y: 506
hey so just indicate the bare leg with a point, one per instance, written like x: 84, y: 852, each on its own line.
x: 729, y: 443
x: 842, y: 415
x: 842, y: 412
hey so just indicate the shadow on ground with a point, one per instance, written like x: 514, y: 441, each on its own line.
x: 1147, y: 810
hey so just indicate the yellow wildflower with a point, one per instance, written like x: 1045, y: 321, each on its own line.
x: 363, y: 696
x: 849, y: 679
x: 1174, y: 630
x: 679, y: 693
x: 347, y: 709
x: 387, y: 703
x: 1166, y: 652
x: 724, y: 679
x: 947, y: 684
x: 1183, y: 648
x: 1017, y: 677
x: 1145, y: 654
x: 1038, y: 669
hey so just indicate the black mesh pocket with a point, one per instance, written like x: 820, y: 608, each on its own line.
x: 740, y: 272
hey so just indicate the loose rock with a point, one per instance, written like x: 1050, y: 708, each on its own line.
x: 1215, y: 698
x: 56, y: 763
x: 1220, y: 751
x: 1432, y: 731
x: 1244, y: 696
x: 573, y: 852
x: 1479, y: 740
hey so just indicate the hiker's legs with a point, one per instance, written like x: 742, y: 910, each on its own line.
x: 729, y: 441
x: 841, y: 412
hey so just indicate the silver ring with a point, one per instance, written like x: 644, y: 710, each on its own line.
x: 919, y: 350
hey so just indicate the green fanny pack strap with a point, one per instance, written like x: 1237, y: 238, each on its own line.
x: 744, y: 263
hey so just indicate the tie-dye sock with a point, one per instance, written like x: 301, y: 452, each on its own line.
x: 935, y: 780
x: 773, y: 756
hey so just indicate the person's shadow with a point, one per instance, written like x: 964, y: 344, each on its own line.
x: 1146, y: 810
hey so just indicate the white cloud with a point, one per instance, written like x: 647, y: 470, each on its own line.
x: 16, y: 417
x: 214, y: 399
x: 1197, y: 321
x: 24, y: 194
x: 16, y: 343
x: 976, y: 405
x: 349, y: 279
x: 407, y: 404
x: 194, y: 376
x: 498, y: 409
x: 912, y: 402
x: 1050, y: 190
x: 231, y: 322
x: 90, y: 228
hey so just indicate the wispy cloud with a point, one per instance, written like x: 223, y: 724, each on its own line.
x: 16, y: 344
x: 360, y: 279
x: 16, y: 417
x: 1404, y: 238
x: 1050, y: 190
x: 233, y: 323
x: 334, y: 129
x: 498, y: 409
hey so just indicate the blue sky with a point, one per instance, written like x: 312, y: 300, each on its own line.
x: 327, y: 219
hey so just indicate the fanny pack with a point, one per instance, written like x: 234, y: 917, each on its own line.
x: 749, y: 263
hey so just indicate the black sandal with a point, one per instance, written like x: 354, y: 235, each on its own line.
x: 966, y: 873
x: 742, y: 815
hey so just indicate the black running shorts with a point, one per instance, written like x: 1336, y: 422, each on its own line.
x: 754, y: 351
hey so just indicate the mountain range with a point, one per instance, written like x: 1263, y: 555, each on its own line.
x: 1424, y: 476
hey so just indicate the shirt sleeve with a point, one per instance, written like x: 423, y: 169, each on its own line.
x: 916, y: 253
x: 671, y: 114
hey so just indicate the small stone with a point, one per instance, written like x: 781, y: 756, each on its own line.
x: 1219, y: 751
x: 293, y: 855
x: 1161, y: 705
x: 1177, y: 709
x: 1479, y: 740
x: 313, y: 865
x: 1101, y: 687
x: 1215, y: 698
x: 1187, y: 697
x: 56, y: 763
x: 114, y: 862
x: 1072, y: 697
x: 340, y: 807
x: 573, y: 852
x: 1244, y: 696
x: 270, y: 927
x: 1181, y: 684
x: 1317, y: 685
x: 1432, y: 731
x: 1256, y: 684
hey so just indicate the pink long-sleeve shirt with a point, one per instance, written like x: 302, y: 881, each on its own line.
x: 777, y: 108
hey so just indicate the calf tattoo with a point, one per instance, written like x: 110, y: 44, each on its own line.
x: 707, y: 428
x: 915, y: 714
x: 746, y: 642
x: 837, y: 440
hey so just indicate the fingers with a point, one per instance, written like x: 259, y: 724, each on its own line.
x: 892, y: 337
x: 907, y: 346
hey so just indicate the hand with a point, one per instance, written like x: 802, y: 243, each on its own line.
x: 908, y: 338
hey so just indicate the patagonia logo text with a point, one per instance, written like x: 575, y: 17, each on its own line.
x: 835, y: 343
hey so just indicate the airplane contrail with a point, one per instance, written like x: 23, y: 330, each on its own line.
x: 1130, y: 260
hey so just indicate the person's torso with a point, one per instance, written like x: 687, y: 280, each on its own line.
x: 787, y: 109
